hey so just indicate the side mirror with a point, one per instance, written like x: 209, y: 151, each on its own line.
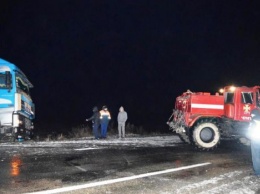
x: 8, y: 80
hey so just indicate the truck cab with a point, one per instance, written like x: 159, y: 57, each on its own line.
x: 17, y: 110
x: 240, y: 101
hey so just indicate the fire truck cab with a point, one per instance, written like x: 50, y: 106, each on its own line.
x: 240, y: 101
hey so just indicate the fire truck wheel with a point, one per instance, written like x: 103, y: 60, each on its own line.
x: 206, y: 135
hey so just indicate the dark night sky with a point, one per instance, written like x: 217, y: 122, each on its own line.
x: 139, y: 54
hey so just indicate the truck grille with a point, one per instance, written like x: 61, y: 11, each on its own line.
x: 27, y: 123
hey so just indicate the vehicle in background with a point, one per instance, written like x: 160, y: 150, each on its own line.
x: 202, y: 119
x: 16, y: 107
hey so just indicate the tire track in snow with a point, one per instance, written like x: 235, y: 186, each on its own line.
x: 236, y: 182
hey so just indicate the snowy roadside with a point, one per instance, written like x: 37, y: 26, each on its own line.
x: 44, y: 147
x: 140, y: 141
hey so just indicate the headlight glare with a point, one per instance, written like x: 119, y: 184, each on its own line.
x: 254, y: 131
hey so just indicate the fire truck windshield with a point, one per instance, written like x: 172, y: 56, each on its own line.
x: 247, y: 97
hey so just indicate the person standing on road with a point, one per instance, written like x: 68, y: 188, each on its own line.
x: 95, y: 122
x: 104, y: 120
x: 121, y: 119
x: 254, y: 135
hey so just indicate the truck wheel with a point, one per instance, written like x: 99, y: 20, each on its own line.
x: 206, y: 135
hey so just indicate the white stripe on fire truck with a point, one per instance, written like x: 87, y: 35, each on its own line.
x: 211, y: 106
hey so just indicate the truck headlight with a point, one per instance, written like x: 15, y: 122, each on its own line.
x: 16, y: 120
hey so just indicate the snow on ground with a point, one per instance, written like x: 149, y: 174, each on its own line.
x: 39, y: 147
x: 237, y: 181
x: 158, y: 141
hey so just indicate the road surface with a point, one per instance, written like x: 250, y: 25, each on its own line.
x: 161, y: 164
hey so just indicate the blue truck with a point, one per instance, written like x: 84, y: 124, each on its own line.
x: 17, y: 109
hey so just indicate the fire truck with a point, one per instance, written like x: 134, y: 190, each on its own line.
x: 203, y: 119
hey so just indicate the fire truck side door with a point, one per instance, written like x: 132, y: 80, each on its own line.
x: 245, y: 106
x: 257, y: 98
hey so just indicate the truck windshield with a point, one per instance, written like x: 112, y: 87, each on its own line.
x: 247, y: 97
x: 21, y: 83
x: 3, y: 80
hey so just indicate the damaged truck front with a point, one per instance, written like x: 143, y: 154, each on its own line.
x: 16, y: 107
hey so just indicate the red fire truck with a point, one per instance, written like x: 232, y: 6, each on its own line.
x: 202, y: 119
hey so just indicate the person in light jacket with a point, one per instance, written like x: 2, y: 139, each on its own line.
x: 121, y: 119
x: 104, y: 120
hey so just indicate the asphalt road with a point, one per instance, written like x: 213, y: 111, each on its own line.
x: 95, y: 168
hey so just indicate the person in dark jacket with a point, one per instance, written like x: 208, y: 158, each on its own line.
x: 95, y: 118
x: 104, y: 120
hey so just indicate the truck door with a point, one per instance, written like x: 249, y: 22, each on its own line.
x: 245, y: 106
x: 257, y: 98
x: 229, y: 109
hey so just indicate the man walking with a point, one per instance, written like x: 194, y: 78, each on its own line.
x: 121, y: 119
x: 104, y: 120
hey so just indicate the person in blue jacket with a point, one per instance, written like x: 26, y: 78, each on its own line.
x: 254, y: 131
x: 104, y: 120
x: 95, y: 118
